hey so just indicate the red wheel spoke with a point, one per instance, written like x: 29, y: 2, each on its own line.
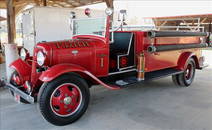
x: 75, y: 92
x: 65, y: 91
x: 56, y: 101
x: 63, y: 110
x: 74, y: 103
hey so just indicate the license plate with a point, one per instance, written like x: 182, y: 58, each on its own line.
x: 17, y: 97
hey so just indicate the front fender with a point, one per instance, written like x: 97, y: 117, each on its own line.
x: 22, y: 68
x: 61, y: 69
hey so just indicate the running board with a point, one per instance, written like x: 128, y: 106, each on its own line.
x: 148, y: 76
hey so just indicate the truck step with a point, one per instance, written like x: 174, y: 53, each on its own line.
x: 161, y: 73
x: 148, y: 76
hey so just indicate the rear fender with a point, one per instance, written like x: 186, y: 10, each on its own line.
x: 184, y: 58
x: 61, y: 69
x: 22, y: 68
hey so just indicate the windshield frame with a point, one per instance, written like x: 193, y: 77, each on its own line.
x: 105, y: 23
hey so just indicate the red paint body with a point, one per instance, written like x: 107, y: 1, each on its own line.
x: 92, y: 60
x: 22, y: 68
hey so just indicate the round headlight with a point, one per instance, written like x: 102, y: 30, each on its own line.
x: 109, y: 11
x: 23, y: 53
x: 40, y: 58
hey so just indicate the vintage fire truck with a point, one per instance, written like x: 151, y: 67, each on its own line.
x: 59, y: 74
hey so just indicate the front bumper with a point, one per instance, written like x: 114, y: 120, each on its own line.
x: 22, y: 94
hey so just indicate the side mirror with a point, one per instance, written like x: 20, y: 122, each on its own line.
x: 124, y: 13
x: 72, y: 16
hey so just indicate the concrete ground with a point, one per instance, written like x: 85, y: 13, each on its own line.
x: 2, y: 71
x: 155, y: 105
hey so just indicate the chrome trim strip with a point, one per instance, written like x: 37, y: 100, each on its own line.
x: 127, y: 67
x: 124, y: 71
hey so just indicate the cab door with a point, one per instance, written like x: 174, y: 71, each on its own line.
x: 102, y: 61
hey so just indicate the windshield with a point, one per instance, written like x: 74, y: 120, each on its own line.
x: 89, y: 26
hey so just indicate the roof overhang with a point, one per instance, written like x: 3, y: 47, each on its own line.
x: 53, y: 3
x: 205, y: 18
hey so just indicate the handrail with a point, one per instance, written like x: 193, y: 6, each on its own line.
x: 185, y: 21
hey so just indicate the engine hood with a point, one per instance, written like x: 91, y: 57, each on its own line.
x: 67, y: 44
x: 80, y: 41
x: 76, y: 51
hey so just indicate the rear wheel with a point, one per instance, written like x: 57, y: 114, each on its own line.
x: 186, y: 78
x: 64, y: 100
x: 175, y: 79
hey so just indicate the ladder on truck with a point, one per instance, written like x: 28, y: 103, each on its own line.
x: 184, y: 24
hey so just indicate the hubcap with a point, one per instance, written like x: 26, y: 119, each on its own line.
x: 66, y: 99
x: 188, y: 72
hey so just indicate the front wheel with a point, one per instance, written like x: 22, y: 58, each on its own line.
x: 64, y: 100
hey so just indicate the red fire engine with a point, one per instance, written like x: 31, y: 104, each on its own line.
x: 60, y: 73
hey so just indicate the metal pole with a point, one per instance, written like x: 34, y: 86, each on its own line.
x: 44, y: 2
x: 109, y: 4
x: 10, y: 21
